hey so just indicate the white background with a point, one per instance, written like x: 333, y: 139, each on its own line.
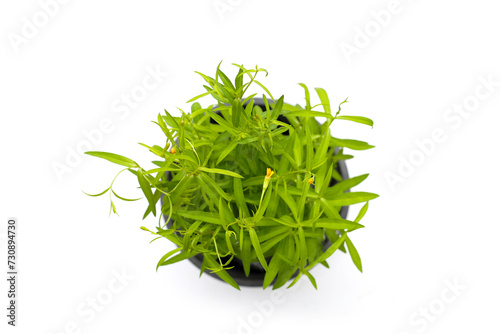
x: 438, y: 223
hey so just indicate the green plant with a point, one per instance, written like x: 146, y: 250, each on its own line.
x: 250, y: 182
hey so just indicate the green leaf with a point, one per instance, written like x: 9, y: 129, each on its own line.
x: 237, y: 110
x: 112, y: 208
x: 323, y: 96
x: 350, y: 143
x: 166, y: 131
x: 170, y: 120
x: 220, y: 171
x: 227, y: 150
x: 323, y: 147
x: 156, y: 198
x: 200, y: 96
x: 263, y: 207
x: 272, y: 241
x: 295, y: 280
x: 275, y: 264
x: 345, y: 185
x: 225, y: 80
x: 302, y: 246
x: 249, y: 108
x: 179, y: 257
x: 217, y: 95
x: 239, y: 197
x: 330, y: 210
x: 297, y: 148
x: 354, y: 253
x: 209, y: 217
x: 287, y: 197
x: 223, y: 274
x: 350, y: 198
x: 278, y: 131
x: 228, y: 241
x: 308, y: 113
x: 332, y: 224
x: 195, y: 106
x: 181, y: 156
x: 216, y: 186
x: 311, y: 278
x: 223, y: 136
x: 239, y: 79
x: 329, y: 252
x: 115, y: 158
x: 281, y: 124
x: 266, y: 104
x: 99, y: 194
x: 256, y: 245
x: 162, y: 170
x: 246, y: 255
x: 357, y: 119
x: 209, y: 80
x: 155, y: 150
x: 245, y: 71
x: 265, y: 89
x: 361, y: 213
x: 306, y: 187
x: 309, y: 149
x: 277, y: 108
x: 223, y: 123
x: 146, y: 189
x: 308, y: 96
x: 247, y: 99
x: 125, y: 199
x: 166, y: 256
x: 285, y: 274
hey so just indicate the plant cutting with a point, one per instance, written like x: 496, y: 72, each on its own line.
x: 252, y: 190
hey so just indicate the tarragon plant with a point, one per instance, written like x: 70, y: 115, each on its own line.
x: 258, y: 184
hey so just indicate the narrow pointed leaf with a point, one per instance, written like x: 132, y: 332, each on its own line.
x: 357, y: 119
x: 354, y: 253
x: 220, y: 171
x: 146, y: 189
x: 99, y: 194
x: 361, y: 213
x: 211, y: 262
x: 350, y: 143
x: 209, y: 217
x: 350, y: 198
x: 256, y: 246
x: 323, y: 96
x: 115, y: 158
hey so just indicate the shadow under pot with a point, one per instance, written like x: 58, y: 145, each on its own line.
x: 257, y: 272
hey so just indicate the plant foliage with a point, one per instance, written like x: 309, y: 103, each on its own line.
x: 255, y: 183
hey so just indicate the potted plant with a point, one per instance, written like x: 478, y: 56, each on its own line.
x: 253, y: 191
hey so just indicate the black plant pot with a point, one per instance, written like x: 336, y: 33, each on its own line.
x: 257, y: 272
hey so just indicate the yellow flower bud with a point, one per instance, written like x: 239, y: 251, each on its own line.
x: 269, y: 173
x: 268, y: 177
